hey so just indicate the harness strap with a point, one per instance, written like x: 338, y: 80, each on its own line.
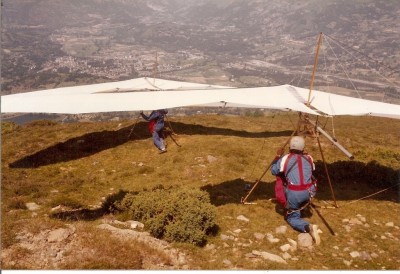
x: 302, y: 185
x: 285, y: 169
x: 300, y: 165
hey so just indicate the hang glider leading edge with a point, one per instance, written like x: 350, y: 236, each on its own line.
x: 149, y: 94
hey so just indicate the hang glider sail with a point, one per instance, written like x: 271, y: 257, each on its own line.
x: 149, y: 94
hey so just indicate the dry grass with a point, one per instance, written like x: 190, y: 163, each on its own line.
x: 81, y: 164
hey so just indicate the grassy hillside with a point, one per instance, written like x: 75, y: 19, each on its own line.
x: 73, y: 169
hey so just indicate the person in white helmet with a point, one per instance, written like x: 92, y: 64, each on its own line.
x: 295, y: 170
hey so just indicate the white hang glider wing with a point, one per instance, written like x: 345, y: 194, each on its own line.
x: 149, y: 94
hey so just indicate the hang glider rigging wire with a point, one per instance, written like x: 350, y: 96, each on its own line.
x: 344, y: 47
x: 347, y: 49
x: 373, y: 194
x: 343, y: 68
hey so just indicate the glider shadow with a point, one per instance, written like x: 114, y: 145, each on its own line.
x: 351, y: 180
x: 94, y: 142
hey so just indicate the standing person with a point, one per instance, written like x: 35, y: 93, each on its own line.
x: 295, y: 170
x: 156, y: 126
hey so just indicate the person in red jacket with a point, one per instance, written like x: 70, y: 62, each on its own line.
x: 156, y: 126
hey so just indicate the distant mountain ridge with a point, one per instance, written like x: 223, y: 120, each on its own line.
x: 298, y: 18
x: 225, y: 30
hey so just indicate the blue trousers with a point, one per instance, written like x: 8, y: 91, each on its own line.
x: 294, y: 201
x: 158, y: 141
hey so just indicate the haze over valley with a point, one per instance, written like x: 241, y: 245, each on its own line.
x: 53, y: 43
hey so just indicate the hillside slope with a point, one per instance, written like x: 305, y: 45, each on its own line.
x: 57, y: 177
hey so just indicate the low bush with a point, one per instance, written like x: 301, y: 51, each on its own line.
x: 175, y: 214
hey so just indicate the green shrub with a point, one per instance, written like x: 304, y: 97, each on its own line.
x: 179, y: 215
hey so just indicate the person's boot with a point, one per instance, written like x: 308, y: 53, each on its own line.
x: 313, y: 231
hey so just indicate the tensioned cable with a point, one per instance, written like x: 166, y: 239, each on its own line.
x: 301, y: 74
x: 372, y: 69
x: 392, y: 70
x: 329, y: 86
x: 344, y: 70
x: 373, y: 194
x: 304, y: 70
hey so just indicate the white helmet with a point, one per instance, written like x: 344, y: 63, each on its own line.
x: 297, y: 142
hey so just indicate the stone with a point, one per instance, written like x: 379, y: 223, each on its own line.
x: 227, y: 262
x: 389, y: 224
x: 365, y: 256
x: 347, y: 228
x: 304, y: 240
x: 286, y: 256
x: 355, y: 221
x: 242, y: 218
x: 285, y: 247
x: 259, y: 236
x: 273, y: 257
x: 281, y: 229
x: 347, y: 263
x: 59, y: 235
x: 209, y: 247
x: 135, y: 224
x: 271, y: 238
x: 211, y: 159
x: 355, y: 254
x: 293, y: 244
x: 250, y: 255
x: 32, y: 206
x: 226, y: 237
x: 361, y: 218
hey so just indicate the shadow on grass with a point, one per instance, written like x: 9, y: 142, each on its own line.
x: 79, y: 214
x: 91, y: 143
x: 351, y: 180
x: 232, y: 192
x: 85, y: 214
